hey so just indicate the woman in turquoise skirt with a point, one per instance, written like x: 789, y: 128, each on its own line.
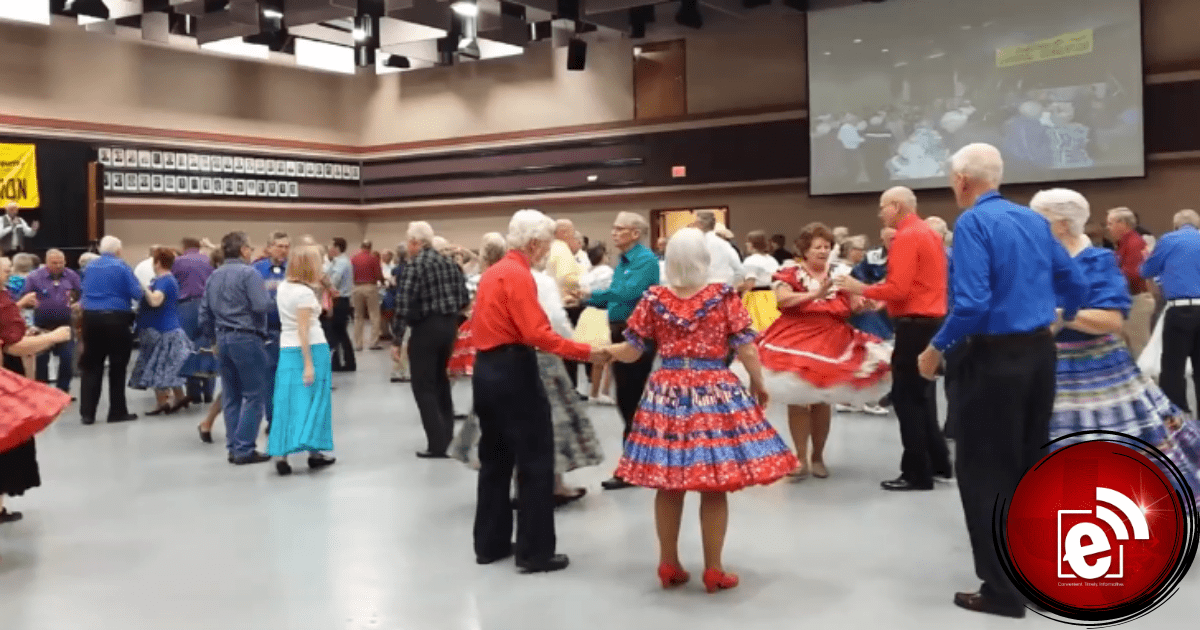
x: 304, y: 379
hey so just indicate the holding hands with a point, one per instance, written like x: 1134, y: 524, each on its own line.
x: 850, y: 285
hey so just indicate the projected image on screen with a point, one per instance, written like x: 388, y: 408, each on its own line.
x: 895, y: 88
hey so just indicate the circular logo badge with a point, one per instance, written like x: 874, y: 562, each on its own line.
x: 1100, y: 532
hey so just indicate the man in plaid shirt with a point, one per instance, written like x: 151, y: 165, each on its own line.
x: 430, y: 297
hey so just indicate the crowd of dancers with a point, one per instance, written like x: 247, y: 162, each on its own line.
x: 1018, y: 309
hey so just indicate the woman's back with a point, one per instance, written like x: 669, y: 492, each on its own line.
x: 291, y: 297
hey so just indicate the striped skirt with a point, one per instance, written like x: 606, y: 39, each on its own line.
x: 1101, y: 389
x: 303, y: 418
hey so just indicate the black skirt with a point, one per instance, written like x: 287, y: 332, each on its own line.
x: 18, y: 466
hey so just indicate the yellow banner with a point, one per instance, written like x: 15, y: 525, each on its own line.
x: 18, y: 175
x: 1065, y: 45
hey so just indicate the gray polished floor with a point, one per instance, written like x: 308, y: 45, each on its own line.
x: 140, y: 525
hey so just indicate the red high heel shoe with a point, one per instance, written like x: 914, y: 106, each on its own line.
x: 715, y: 580
x: 672, y: 575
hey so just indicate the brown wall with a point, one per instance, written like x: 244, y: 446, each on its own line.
x: 139, y: 234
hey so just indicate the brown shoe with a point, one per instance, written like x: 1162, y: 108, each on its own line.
x: 977, y: 602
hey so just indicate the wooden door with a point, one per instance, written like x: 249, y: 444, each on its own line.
x: 660, y: 80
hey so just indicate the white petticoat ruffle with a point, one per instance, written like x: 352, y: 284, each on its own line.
x: 787, y: 388
x: 1150, y: 361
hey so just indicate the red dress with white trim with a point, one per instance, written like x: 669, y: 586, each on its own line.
x: 462, y: 357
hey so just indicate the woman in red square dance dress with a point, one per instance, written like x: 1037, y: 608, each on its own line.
x: 697, y: 428
x: 812, y: 357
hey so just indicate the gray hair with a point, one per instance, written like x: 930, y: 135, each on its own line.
x: 53, y: 251
x: 232, y: 244
x: 1186, y: 217
x: 707, y: 220
x: 979, y: 162
x: 687, y: 259
x: 110, y: 245
x: 841, y: 233
x: 1063, y: 204
x: 86, y: 258
x: 12, y: 204
x: 1124, y: 215
x: 857, y: 242
x: 527, y: 226
x: 440, y: 244
x: 563, y: 226
x: 938, y: 224
x: 491, y: 249
x: 22, y: 263
x: 421, y: 232
x: 635, y: 221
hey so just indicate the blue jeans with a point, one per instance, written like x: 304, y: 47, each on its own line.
x: 243, y: 365
x: 272, y: 366
x: 65, y: 352
x: 198, y: 388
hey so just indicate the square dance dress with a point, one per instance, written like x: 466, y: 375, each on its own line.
x: 697, y: 428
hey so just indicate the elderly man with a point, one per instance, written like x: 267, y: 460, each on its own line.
x: 340, y: 274
x: 1131, y: 253
x: 234, y: 311
x: 514, y: 411
x: 1010, y: 274
x: 915, y: 294
x: 191, y: 271
x: 725, y: 265
x: 564, y: 268
x: 14, y: 231
x: 636, y: 271
x: 430, y: 297
x: 273, y: 270
x: 368, y: 275
x: 57, y: 289
x: 109, y: 291
x: 1176, y: 264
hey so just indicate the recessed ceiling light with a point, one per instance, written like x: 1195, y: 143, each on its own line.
x: 884, y: 50
x: 592, y: 178
x: 858, y: 41
x: 465, y: 9
x: 901, y: 64
x: 827, y: 53
x: 966, y: 27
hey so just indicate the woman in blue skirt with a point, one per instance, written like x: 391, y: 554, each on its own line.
x: 1099, y: 385
x: 303, y: 419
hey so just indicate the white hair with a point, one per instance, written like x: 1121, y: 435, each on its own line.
x: 85, y: 258
x: 527, y: 226
x: 492, y: 249
x: 857, y: 242
x: 439, y: 244
x: 687, y: 259
x: 979, y: 162
x: 938, y: 224
x: 1124, y: 215
x: 421, y: 232
x: 110, y: 245
x: 563, y: 225
x: 1063, y: 204
x: 634, y: 221
x: 1186, y: 217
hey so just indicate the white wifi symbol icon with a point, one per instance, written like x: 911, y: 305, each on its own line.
x: 1076, y: 552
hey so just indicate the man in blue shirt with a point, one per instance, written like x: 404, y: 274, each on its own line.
x: 1176, y: 264
x: 1009, y: 276
x: 233, y: 311
x: 109, y: 291
x: 273, y: 270
x: 636, y: 271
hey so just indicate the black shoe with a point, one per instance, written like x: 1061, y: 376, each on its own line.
x: 565, y: 499
x: 10, y: 517
x: 317, y: 463
x: 283, y: 467
x: 205, y: 436
x: 252, y: 458
x: 886, y: 401
x: 977, y: 602
x: 557, y: 562
x: 481, y: 559
x: 943, y: 476
x: 429, y: 455
x: 158, y: 411
x: 903, y: 485
x: 125, y: 418
x: 86, y: 420
x: 615, y: 483
x: 459, y: 417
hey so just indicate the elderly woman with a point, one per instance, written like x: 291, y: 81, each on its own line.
x: 164, y: 345
x: 1099, y: 385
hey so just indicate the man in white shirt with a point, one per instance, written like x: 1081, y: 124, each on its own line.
x: 725, y: 265
x: 144, y: 271
x: 14, y: 231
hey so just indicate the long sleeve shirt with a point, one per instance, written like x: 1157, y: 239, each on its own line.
x: 1010, y: 273
x: 109, y: 285
x: 725, y: 265
x: 507, y: 312
x: 915, y: 285
x: 191, y: 271
x: 13, y: 232
x: 636, y: 272
x: 1176, y: 263
x: 432, y: 284
x: 235, y: 300
x: 1131, y: 253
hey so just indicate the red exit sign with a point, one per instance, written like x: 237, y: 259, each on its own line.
x: 678, y: 171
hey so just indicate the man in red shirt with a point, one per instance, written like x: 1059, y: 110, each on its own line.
x: 507, y: 325
x: 368, y: 275
x: 915, y: 294
x: 1131, y: 253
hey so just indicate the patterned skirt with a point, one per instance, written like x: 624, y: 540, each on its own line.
x: 303, y: 415
x: 575, y: 442
x: 1100, y: 388
x: 462, y: 358
x: 161, y: 357
x: 698, y: 429
x: 202, y: 363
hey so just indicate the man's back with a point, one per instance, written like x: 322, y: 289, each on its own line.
x: 236, y: 299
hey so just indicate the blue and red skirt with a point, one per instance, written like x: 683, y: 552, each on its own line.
x: 698, y: 429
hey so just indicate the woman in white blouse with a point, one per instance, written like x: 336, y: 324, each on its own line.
x: 760, y: 267
x: 593, y: 326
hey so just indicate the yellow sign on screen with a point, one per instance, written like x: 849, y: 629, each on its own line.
x: 18, y: 175
x: 1065, y: 45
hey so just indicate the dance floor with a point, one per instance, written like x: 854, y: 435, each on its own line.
x: 139, y: 525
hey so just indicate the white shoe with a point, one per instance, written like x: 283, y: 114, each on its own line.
x: 875, y: 410
x: 602, y: 400
x: 841, y: 408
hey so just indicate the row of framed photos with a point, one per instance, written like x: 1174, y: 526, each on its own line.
x: 116, y: 157
x: 195, y: 185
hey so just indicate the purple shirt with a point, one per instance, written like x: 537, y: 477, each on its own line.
x: 53, y: 295
x: 191, y: 271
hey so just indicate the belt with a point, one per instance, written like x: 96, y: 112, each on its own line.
x: 507, y: 349
x: 917, y: 319
x: 762, y: 289
x: 693, y: 363
x: 242, y: 331
x: 1014, y: 338
x: 1184, y: 302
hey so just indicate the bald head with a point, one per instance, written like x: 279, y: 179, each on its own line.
x: 900, y: 196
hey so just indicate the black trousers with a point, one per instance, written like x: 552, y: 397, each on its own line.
x: 428, y: 353
x: 953, y: 385
x: 1008, y: 387
x: 630, y: 379
x: 1180, y: 342
x: 515, y: 432
x: 338, y: 336
x: 915, y: 400
x: 573, y: 314
x: 107, y: 336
